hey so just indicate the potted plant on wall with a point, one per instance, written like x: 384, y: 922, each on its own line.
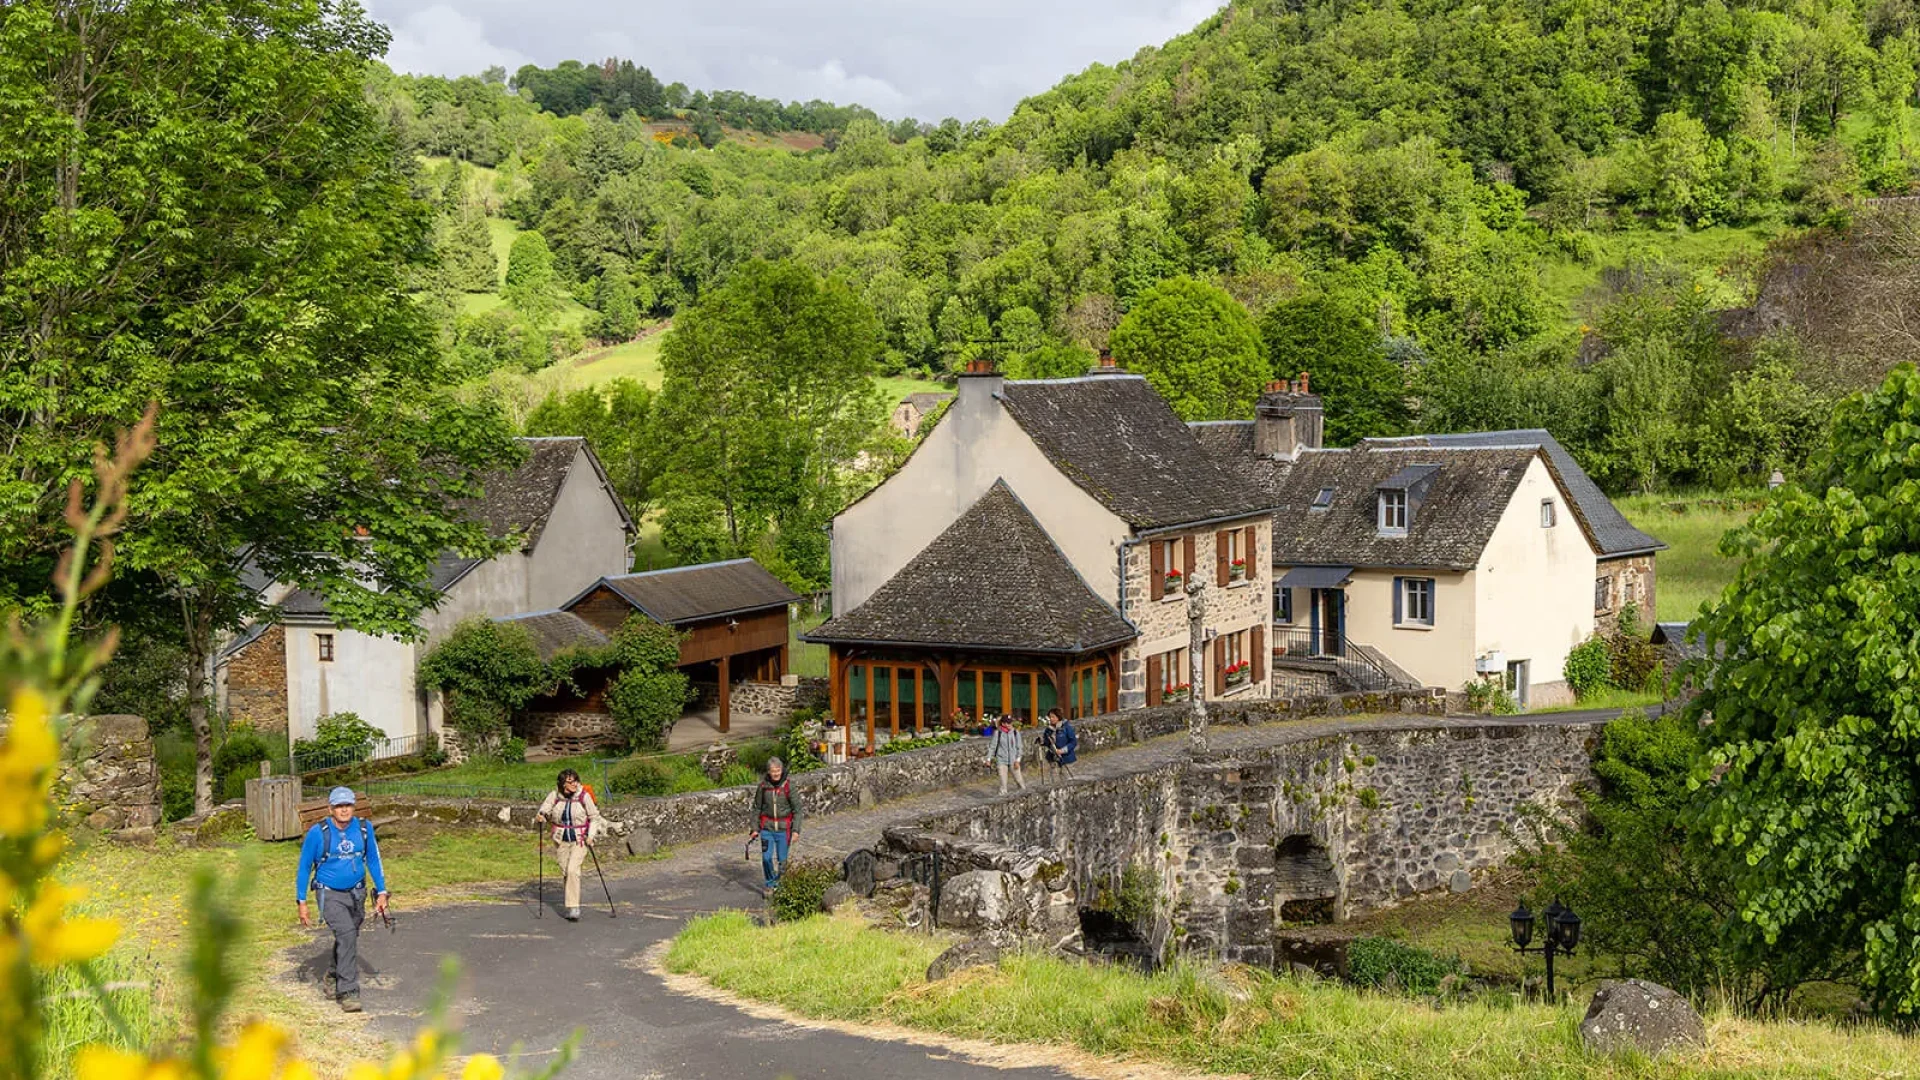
x: 1175, y: 581
x: 1237, y: 570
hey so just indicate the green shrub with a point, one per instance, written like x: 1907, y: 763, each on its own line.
x: 1633, y: 661
x: 243, y: 747
x: 802, y: 884
x: 754, y: 755
x: 1589, y: 667
x: 338, y: 738
x: 481, y: 722
x: 1135, y: 898
x: 1489, y: 695
x: 1371, y: 960
x: 898, y: 745
x: 432, y: 754
x: 738, y: 775
x: 639, y: 778
x: 176, y: 792
x: 795, y: 748
x: 513, y: 751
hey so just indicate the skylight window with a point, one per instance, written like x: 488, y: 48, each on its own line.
x: 1324, y: 499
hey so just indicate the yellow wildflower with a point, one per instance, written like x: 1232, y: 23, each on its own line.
x: 359, y: 1070
x: 27, y: 760
x: 482, y: 1067
x: 256, y: 1053
x: 105, y: 1063
x: 55, y: 938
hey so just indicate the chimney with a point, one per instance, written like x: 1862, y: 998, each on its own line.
x: 979, y: 384
x: 1287, y: 420
x: 1107, y: 365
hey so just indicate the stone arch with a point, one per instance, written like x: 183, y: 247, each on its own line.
x: 1305, y: 887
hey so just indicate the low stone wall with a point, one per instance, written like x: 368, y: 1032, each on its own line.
x: 571, y: 733
x: 108, y: 776
x: 702, y: 815
x: 764, y: 698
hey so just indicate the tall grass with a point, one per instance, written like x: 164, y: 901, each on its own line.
x: 1691, y: 571
x: 76, y: 1018
x: 1237, y: 1020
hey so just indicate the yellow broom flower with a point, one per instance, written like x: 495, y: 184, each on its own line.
x: 482, y: 1067
x: 27, y: 760
x: 105, y: 1063
x: 57, y: 939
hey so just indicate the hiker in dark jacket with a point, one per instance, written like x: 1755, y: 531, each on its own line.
x: 776, y: 817
x: 1059, y: 742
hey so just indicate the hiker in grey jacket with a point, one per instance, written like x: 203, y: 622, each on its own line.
x: 1003, y: 751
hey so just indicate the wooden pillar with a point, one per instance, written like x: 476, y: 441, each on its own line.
x: 870, y: 710
x: 1006, y: 692
x: 836, y: 694
x: 780, y: 665
x: 949, y: 690
x: 726, y: 692
x: 893, y: 700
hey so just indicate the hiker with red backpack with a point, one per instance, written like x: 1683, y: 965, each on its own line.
x: 776, y: 818
x: 337, y: 856
x: 576, y: 823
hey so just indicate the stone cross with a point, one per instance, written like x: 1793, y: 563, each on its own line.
x: 1196, y: 649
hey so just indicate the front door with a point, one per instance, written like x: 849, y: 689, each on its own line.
x: 1517, y: 681
x: 1329, y: 622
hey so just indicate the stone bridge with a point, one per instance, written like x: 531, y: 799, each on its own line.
x: 1310, y: 823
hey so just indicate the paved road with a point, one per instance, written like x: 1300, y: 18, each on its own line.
x: 532, y: 981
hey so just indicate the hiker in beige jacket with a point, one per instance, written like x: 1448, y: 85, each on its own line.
x: 576, y: 822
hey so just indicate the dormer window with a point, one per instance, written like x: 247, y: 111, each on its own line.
x: 1323, y: 499
x: 1393, y: 511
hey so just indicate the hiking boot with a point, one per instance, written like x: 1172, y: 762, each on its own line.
x: 350, y: 1003
x: 573, y: 914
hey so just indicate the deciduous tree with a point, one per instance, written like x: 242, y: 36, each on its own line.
x: 1198, y: 348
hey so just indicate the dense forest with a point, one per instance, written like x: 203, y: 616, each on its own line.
x: 1457, y: 215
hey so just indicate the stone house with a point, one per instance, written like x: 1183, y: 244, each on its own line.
x: 912, y: 409
x: 1431, y: 560
x: 288, y: 670
x: 1033, y: 552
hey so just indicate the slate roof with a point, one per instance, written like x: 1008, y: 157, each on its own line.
x: 1116, y: 438
x: 1226, y: 440
x: 1612, y: 534
x: 707, y: 591
x: 555, y: 631
x: 1471, y: 489
x: 994, y: 581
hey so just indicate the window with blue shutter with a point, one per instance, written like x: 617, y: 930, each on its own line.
x: 1413, y: 601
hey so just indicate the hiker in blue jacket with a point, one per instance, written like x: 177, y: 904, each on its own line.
x: 1060, y: 743
x: 337, y: 856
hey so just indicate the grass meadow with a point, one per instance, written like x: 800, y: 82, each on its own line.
x: 1691, y: 571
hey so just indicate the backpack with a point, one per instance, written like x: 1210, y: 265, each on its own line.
x: 326, y: 848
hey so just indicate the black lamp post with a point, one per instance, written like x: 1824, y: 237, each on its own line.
x: 1562, y: 934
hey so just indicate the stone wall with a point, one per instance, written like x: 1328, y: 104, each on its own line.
x: 256, y: 678
x: 108, y: 777
x: 1163, y: 623
x: 570, y: 733
x: 1634, y: 583
x: 764, y: 698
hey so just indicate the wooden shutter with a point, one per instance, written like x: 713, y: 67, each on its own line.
x: 1153, y: 681
x: 1219, y: 666
x: 1187, y: 560
x: 1259, y: 656
x: 1251, y: 550
x: 1157, y: 576
x: 1220, y: 546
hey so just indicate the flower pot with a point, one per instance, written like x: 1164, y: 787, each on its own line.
x: 1237, y: 573
x: 1175, y: 583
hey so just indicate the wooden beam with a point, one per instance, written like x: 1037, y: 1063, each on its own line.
x: 893, y: 700
x: 949, y: 690
x: 726, y: 692
x: 869, y: 673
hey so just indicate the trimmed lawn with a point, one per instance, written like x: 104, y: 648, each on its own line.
x: 1238, y: 1021
x: 1691, y: 571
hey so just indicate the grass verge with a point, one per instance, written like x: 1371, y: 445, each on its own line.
x: 1241, y: 1021
x: 1610, y: 698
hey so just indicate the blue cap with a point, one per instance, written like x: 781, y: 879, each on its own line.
x: 340, y: 796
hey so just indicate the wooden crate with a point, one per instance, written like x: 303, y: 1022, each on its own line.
x: 273, y: 806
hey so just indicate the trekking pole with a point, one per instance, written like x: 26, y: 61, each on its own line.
x: 611, y: 913
x: 540, y: 854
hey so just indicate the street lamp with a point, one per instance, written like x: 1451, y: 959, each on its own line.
x: 1562, y: 933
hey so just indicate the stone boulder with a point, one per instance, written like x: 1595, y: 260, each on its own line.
x: 978, y: 900
x: 640, y: 843
x: 837, y: 894
x: 973, y: 952
x: 716, y: 758
x: 1634, y: 1014
x: 859, y: 871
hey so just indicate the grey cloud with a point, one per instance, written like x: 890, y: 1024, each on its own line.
x: 905, y: 58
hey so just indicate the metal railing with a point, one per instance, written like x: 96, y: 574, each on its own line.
x: 308, y: 761
x: 1307, y: 662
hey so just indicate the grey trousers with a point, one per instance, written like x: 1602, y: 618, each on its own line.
x: 343, y: 912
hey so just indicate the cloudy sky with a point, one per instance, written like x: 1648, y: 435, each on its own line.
x: 923, y: 58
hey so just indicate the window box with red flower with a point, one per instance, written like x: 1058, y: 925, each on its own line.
x: 1176, y: 693
x: 1237, y: 570
x: 1175, y: 581
x: 1239, y: 673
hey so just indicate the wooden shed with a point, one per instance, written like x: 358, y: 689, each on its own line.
x: 733, y: 616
